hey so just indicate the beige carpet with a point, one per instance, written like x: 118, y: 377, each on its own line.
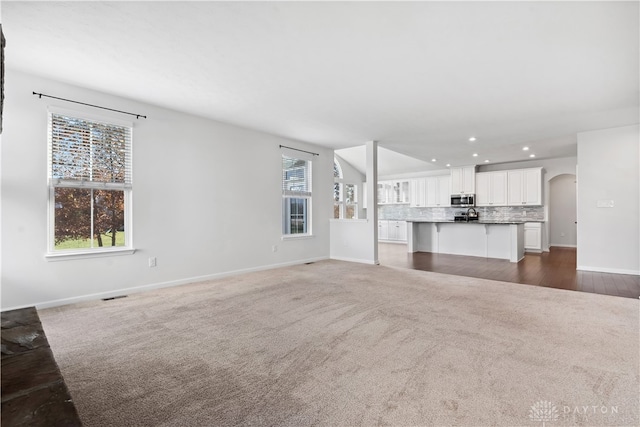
x: 336, y: 344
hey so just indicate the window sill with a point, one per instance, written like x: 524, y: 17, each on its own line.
x: 97, y: 253
x: 297, y: 236
x: 348, y: 220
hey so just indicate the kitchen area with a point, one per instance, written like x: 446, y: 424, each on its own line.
x: 496, y: 214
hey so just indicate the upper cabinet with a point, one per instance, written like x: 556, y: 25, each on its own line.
x: 390, y: 192
x: 525, y: 187
x: 491, y: 188
x: 431, y: 192
x: 401, y: 191
x: 438, y: 191
x: 384, y: 192
x: 519, y: 187
x: 418, y: 193
x: 463, y: 180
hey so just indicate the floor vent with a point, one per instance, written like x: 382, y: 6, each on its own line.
x: 118, y: 297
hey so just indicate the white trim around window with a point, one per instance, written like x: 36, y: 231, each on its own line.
x: 90, y: 185
x: 297, y: 200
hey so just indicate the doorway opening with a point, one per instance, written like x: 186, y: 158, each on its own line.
x: 562, y: 211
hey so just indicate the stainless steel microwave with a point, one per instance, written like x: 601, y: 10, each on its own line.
x: 463, y: 200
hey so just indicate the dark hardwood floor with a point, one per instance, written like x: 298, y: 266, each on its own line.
x: 554, y: 269
x: 33, y: 391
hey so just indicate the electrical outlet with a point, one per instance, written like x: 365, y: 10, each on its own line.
x: 274, y: 248
x: 561, y: 234
x: 152, y: 261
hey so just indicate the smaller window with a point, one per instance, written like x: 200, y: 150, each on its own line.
x: 337, y: 169
x: 345, y: 197
x: 337, y: 198
x: 350, y: 201
x: 296, y: 196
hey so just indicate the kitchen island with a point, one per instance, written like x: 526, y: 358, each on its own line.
x: 488, y: 239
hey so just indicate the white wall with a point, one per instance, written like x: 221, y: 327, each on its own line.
x: 351, y: 240
x: 207, y: 201
x: 357, y: 240
x: 349, y: 237
x: 609, y: 169
x: 562, y: 211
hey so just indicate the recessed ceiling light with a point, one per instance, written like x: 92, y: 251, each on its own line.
x: 486, y: 161
x: 525, y: 148
x: 532, y: 155
x: 473, y: 138
x: 448, y: 164
x: 475, y: 154
x: 433, y: 160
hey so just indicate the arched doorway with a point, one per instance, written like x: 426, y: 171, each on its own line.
x: 562, y: 211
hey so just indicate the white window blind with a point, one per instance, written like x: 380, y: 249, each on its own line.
x: 296, y: 177
x: 88, y: 153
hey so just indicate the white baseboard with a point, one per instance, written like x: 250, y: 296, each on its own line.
x: 562, y: 246
x: 396, y: 242
x: 361, y: 261
x: 143, y: 288
x: 608, y: 270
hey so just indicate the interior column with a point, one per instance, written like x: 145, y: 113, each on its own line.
x: 372, y: 196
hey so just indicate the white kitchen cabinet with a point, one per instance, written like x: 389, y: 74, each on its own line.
x: 483, y: 192
x: 418, y: 197
x: 390, y: 192
x: 385, y: 192
x: 402, y: 231
x: 432, y: 191
x: 463, y: 180
x: 533, y: 236
x: 533, y: 186
x: 382, y: 193
x: 401, y: 191
x: 444, y: 188
x: 392, y: 231
x: 438, y: 191
x: 516, y: 188
x: 525, y: 187
x: 491, y: 188
x: 383, y: 229
x: 398, y: 231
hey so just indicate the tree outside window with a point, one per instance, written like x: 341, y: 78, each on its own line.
x: 90, y: 183
x: 345, y: 200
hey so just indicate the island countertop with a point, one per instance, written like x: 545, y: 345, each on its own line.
x: 450, y: 221
x: 489, y: 239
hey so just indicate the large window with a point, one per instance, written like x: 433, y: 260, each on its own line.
x: 296, y: 196
x: 89, y: 184
x: 345, y: 197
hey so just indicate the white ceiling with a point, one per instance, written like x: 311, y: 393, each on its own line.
x: 419, y: 77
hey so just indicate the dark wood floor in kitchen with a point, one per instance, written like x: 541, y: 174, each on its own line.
x: 553, y: 269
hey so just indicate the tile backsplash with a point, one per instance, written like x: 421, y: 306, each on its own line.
x: 502, y: 213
